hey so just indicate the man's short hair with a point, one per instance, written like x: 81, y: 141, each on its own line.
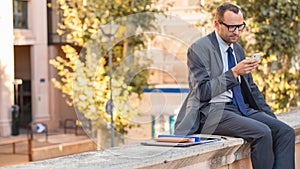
x: 223, y: 8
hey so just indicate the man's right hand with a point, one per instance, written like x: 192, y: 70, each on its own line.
x: 244, y: 67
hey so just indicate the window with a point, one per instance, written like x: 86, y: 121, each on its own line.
x: 20, y: 14
x: 54, y: 18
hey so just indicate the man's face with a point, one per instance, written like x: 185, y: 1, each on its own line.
x: 230, y: 18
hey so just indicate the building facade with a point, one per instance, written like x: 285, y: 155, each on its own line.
x: 24, y: 64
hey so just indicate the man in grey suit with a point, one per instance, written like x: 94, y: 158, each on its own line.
x: 224, y: 99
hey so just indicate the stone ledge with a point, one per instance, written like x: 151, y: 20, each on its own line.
x: 62, y: 149
x: 211, y: 155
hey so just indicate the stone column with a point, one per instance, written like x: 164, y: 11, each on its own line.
x: 6, y: 66
x: 39, y: 60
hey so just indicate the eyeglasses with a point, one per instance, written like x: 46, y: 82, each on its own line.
x: 232, y: 28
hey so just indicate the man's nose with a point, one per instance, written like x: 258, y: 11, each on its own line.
x: 236, y: 31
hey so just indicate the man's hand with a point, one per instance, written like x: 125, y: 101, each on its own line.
x: 245, y: 67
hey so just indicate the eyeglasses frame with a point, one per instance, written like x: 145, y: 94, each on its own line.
x: 235, y: 26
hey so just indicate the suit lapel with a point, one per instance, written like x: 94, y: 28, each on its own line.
x: 213, y: 38
x: 238, y: 54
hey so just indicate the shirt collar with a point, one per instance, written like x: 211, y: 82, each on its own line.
x: 222, y: 44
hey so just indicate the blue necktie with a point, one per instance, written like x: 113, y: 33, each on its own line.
x: 237, y: 92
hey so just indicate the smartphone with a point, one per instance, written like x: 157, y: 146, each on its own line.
x: 256, y: 56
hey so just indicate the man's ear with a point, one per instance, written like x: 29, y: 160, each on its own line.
x: 217, y: 24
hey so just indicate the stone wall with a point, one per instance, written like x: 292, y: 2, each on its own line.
x: 230, y: 153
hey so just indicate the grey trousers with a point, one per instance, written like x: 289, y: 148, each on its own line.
x: 272, y: 141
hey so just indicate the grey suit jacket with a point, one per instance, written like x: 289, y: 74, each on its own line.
x: 207, y: 80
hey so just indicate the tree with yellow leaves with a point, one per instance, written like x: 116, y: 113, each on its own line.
x: 84, y: 71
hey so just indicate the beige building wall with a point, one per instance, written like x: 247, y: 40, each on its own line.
x: 31, y: 53
x: 6, y: 67
x: 37, y: 18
